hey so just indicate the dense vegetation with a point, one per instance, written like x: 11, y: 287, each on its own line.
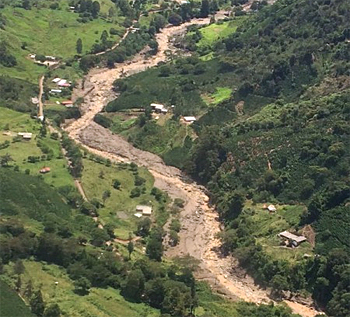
x: 282, y: 136
x: 11, y: 304
x: 75, y: 243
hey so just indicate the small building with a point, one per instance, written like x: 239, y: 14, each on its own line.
x: 157, y: 107
x: 67, y: 103
x: 165, y: 111
x: 294, y: 239
x: 144, y: 210
x: 190, y: 119
x: 45, y: 170
x: 138, y: 215
x: 56, y: 80
x: 55, y: 91
x: 25, y: 135
x: 62, y: 82
x: 271, y: 208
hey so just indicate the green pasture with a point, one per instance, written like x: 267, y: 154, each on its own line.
x: 220, y: 30
x: 99, y: 302
x: 119, y: 208
x: 48, y: 32
x: 267, y: 225
x: 19, y: 151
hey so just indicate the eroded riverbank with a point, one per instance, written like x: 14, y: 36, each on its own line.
x: 199, y: 220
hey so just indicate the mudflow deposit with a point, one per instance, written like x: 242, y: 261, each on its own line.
x: 198, y: 219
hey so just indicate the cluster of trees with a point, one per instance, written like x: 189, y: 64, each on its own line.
x: 6, y: 58
x: 87, y: 9
x: 75, y: 157
x: 15, y: 93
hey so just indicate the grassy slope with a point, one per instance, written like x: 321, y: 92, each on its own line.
x: 18, y: 122
x: 267, y: 225
x: 120, y: 202
x: 48, y: 32
x: 11, y: 304
x: 100, y: 302
x: 213, y: 32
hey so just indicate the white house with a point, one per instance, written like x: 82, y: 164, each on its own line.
x: 190, y: 119
x: 271, y: 208
x: 144, y: 210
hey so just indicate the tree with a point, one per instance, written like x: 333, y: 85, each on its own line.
x: 279, y: 283
x: 144, y: 226
x: 174, y: 238
x: 175, y: 19
x: 134, y: 286
x: 26, y: 4
x: 5, y: 159
x: 82, y: 286
x: 79, y: 46
x: 28, y: 292
x: 104, y: 37
x: 205, y: 8
x: 19, y: 267
x: 95, y: 9
x: 18, y: 283
x: 158, y: 22
x: 37, y: 303
x: 154, y: 248
x: 106, y: 194
x: 130, y: 248
x: 52, y: 311
x: 116, y: 184
x: 154, y: 292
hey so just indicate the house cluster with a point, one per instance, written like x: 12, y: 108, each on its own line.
x: 61, y: 83
x: 143, y: 210
x: 49, y: 60
x: 159, y: 108
x: 291, y: 239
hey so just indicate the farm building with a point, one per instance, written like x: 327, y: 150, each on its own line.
x: 67, y: 103
x: 25, y: 135
x: 45, y: 170
x: 189, y: 119
x: 157, y: 107
x: 144, y: 210
x: 55, y: 91
x: 294, y: 239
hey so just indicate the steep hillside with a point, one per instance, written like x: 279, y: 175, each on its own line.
x: 11, y: 304
x: 280, y: 137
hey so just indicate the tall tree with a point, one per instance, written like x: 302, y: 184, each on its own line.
x: 79, y: 46
x: 205, y: 9
x: 135, y: 284
x: 37, y: 303
x: 52, y: 311
x: 95, y: 10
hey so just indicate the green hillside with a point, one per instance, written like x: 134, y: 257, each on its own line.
x: 280, y: 137
x: 11, y: 303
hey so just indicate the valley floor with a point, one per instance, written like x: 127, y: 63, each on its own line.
x: 199, y: 220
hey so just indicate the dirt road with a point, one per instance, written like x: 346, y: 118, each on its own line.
x: 199, y: 220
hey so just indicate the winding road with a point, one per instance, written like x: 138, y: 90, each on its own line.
x: 198, y: 219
